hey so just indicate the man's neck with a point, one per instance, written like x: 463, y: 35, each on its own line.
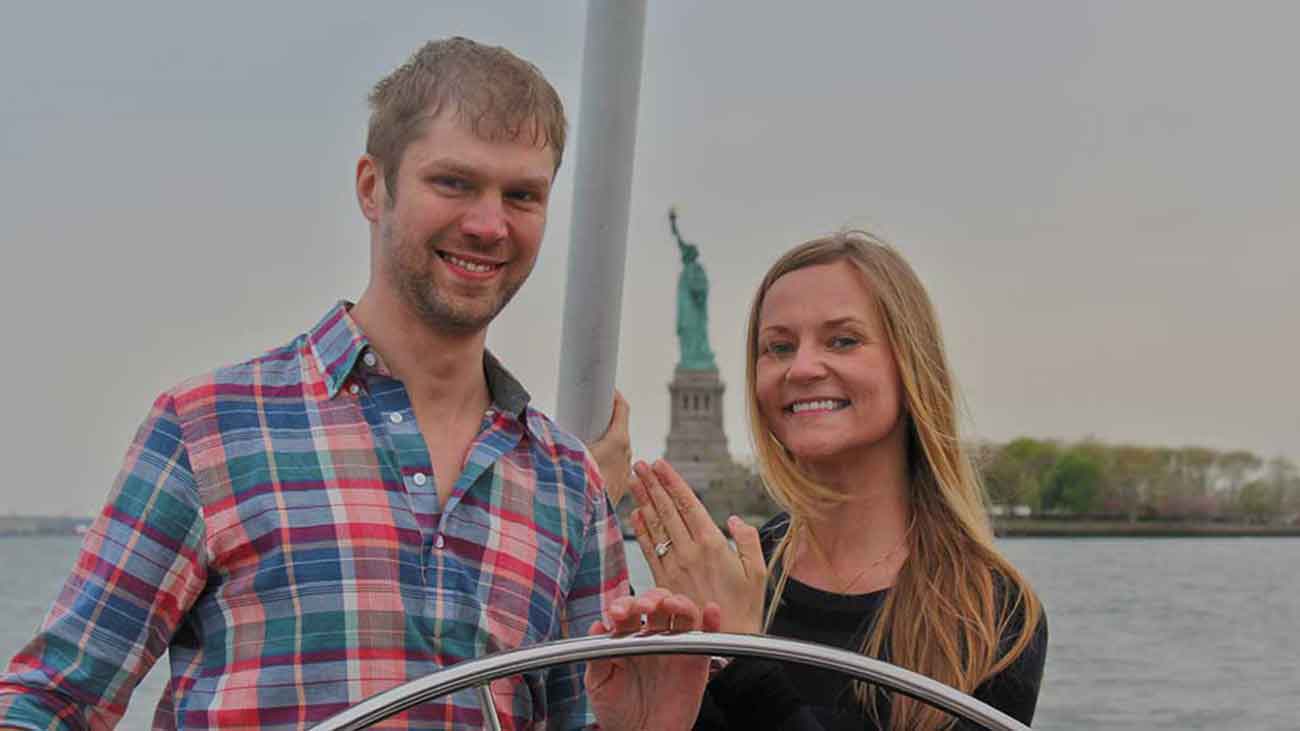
x: 440, y: 369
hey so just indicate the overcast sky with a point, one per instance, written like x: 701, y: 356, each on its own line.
x: 1100, y: 196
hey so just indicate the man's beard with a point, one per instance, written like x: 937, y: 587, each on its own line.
x: 441, y: 313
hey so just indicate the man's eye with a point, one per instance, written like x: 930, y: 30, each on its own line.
x: 451, y: 183
x: 524, y: 196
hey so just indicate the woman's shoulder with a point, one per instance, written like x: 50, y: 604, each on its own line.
x: 1014, y: 599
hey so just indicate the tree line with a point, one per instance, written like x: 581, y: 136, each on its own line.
x: 1095, y: 479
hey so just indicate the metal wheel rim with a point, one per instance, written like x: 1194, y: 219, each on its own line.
x: 480, y: 671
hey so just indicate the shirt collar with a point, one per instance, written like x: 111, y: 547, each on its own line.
x: 337, y: 344
x: 508, y: 394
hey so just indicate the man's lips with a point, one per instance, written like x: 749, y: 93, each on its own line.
x: 471, y: 266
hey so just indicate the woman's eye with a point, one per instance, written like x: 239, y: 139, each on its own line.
x: 842, y: 342
x: 780, y: 348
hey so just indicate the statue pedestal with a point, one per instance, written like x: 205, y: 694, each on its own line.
x: 697, y: 443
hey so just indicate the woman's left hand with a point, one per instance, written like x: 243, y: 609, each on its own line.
x: 688, y: 554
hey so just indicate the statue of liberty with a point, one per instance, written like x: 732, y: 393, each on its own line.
x: 692, y: 306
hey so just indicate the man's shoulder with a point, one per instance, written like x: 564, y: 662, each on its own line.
x: 276, y: 374
x: 553, y: 438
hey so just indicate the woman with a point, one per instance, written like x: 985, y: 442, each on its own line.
x: 884, y: 546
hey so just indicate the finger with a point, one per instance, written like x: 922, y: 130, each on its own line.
x: 647, y: 546
x: 689, y: 507
x: 667, y: 510
x: 622, y: 411
x: 663, y: 611
x: 748, y: 546
x: 652, y: 611
x: 654, y: 519
x: 686, y: 614
x: 618, y: 416
x: 711, y: 621
x: 641, y: 493
x: 624, y: 616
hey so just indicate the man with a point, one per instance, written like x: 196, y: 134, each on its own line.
x: 374, y: 500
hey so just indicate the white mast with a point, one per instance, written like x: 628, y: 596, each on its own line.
x: 611, y: 86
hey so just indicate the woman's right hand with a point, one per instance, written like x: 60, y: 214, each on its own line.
x: 687, y: 553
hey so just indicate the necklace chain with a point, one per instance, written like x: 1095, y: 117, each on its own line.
x: 826, y: 558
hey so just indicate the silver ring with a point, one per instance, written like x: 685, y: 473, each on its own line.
x: 661, y: 549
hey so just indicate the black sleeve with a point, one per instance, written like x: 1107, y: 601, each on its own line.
x: 1014, y: 691
x: 753, y: 693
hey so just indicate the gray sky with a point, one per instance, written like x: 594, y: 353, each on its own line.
x: 1100, y: 196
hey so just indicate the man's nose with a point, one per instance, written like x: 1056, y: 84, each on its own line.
x: 486, y: 219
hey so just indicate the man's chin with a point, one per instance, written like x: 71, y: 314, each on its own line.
x: 447, y: 318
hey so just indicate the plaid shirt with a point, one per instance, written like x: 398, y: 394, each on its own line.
x: 276, y: 530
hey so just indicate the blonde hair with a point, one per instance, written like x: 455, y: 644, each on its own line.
x: 955, y: 596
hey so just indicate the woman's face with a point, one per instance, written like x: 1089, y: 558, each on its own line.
x: 826, y: 380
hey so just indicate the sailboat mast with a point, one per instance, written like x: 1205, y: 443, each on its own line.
x: 611, y: 87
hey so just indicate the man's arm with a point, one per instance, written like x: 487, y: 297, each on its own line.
x: 137, y: 574
x: 601, y: 578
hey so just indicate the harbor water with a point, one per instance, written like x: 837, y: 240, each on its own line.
x: 1145, y: 633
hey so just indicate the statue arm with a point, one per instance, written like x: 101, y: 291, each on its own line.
x: 672, y: 222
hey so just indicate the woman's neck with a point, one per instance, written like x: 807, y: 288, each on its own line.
x: 860, y: 543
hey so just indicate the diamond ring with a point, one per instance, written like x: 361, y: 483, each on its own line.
x: 661, y: 549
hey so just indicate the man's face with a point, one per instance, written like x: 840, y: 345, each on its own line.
x: 460, y: 234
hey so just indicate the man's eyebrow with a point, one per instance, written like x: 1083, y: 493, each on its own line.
x: 450, y: 165
x: 457, y: 167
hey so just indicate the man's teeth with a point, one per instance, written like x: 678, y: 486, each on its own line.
x: 469, y: 265
x: 824, y: 405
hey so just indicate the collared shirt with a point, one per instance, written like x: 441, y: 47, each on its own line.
x: 275, y: 530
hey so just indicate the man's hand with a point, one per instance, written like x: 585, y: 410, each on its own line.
x: 613, y: 451
x: 650, y: 692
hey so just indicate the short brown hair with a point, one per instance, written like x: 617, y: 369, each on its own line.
x: 501, y: 97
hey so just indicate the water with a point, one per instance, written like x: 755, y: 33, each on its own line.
x: 1145, y: 634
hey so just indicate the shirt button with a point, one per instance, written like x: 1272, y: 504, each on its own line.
x: 395, y: 417
x: 439, y: 542
x: 369, y: 359
x: 354, y: 389
x: 419, y: 478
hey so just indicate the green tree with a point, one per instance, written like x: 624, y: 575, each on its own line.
x: 1074, y: 484
x: 1018, y: 472
x: 1259, y: 501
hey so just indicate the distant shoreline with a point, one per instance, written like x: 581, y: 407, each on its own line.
x: 25, y: 526
x: 1042, y: 528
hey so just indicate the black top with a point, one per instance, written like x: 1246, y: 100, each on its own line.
x: 753, y: 693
